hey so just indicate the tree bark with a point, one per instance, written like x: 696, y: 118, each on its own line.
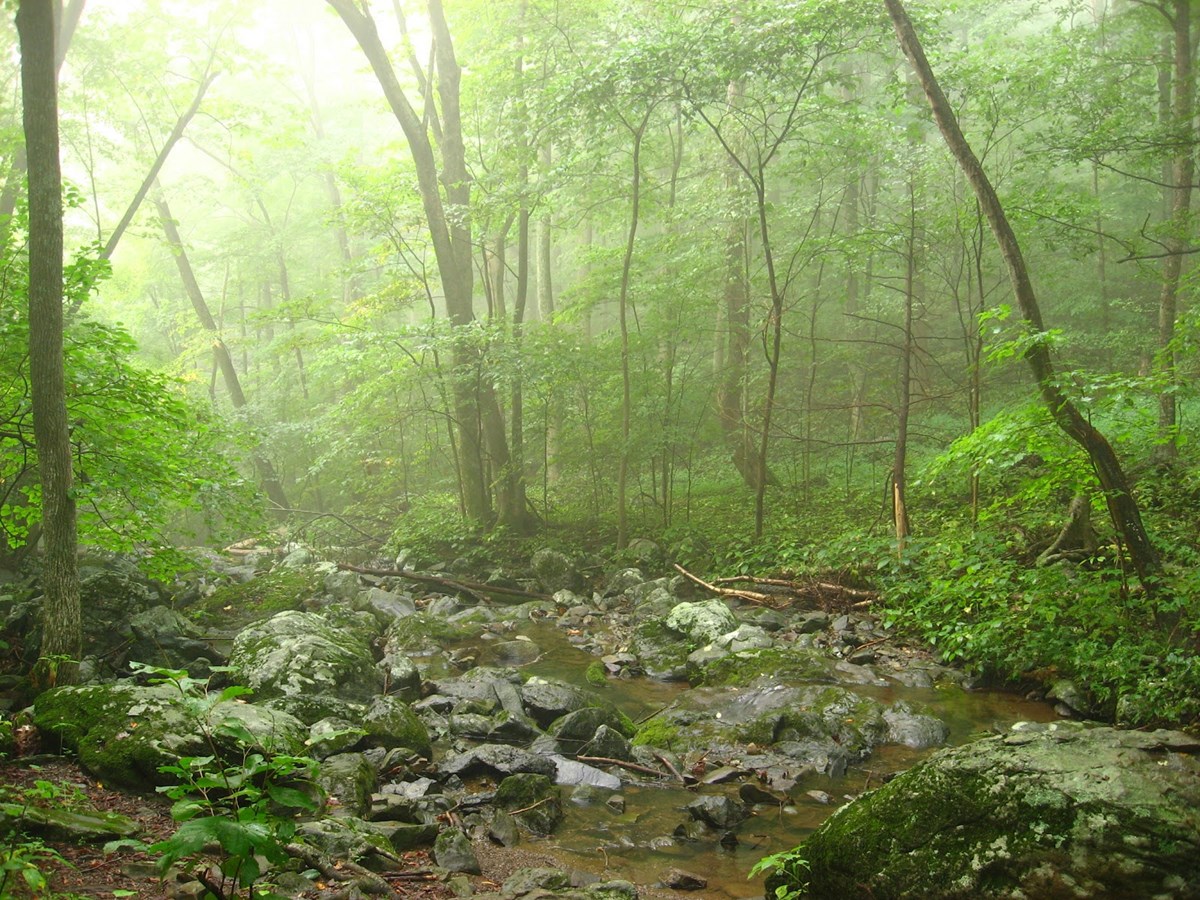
x: 62, y: 631
x: 1122, y: 507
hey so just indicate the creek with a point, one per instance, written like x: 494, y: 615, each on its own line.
x: 647, y: 838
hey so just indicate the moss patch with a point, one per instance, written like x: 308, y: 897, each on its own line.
x: 656, y: 733
x: 781, y: 664
x: 265, y: 595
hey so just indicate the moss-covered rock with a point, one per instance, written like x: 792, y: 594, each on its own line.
x: 1056, y: 812
x: 390, y: 722
x: 786, y: 665
x: 422, y: 633
x: 658, y: 732
x: 124, y: 732
x: 303, y: 654
x: 702, y: 622
x: 282, y: 588
x: 533, y: 800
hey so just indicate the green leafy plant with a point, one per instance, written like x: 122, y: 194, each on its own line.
x: 787, y: 871
x: 23, y: 856
x: 242, y: 800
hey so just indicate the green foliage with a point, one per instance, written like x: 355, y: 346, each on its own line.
x: 787, y: 873
x: 240, y: 805
x: 23, y: 856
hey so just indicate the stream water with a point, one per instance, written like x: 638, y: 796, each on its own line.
x: 644, y: 841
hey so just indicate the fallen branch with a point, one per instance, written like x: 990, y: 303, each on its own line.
x: 484, y: 591
x: 674, y: 771
x: 633, y: 767
x: 802, y: 587
x: 342, y: 870
x: 750, y: 596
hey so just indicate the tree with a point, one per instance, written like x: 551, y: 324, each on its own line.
x: 62, y: 636
x: 446, y: 198
x: 1122, y: 506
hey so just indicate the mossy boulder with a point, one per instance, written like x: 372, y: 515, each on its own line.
x: 300, y: 654
x: 390, y: 722
x: 785, y: 665
x: 423, y: 634
x: 282, y: 588
x: 1044, y: 812
x: 702, y: 622
x: 533, y: 800
x: 124, y: 732
x: 348, y: 780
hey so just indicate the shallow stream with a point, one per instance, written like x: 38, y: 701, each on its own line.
x: 645, y: 840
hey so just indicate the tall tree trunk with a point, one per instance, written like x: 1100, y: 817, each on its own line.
x: 635, y: 193
x: 477, y: 411
x: 221, y: 354
x: 1122, y: 506
x: 62, y: 632
x: 1179, y: 192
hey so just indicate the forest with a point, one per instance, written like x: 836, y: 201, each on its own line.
x: 891, y: 307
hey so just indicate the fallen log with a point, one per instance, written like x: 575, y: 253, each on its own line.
x: 481, y: 591
x: 802, y: 587
x: 749, y: 596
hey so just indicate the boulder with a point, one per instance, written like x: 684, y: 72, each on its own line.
x: 554, y: 571
x: 348, y: 780
x: 390, y: 722
x: 453, y: 852
x: 533, y: 800
x: 304, y: 655
x: 1050, y: 811
x: 163, y: 637
x: 702, y: 622
x: 498, y: 759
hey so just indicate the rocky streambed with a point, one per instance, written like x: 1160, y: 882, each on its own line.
x: 642, y: 737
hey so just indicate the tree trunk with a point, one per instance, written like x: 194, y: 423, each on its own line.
x: 62, y: 631
x: 1122, y: 507
x: 1182, y: 168
x: 221, y: 355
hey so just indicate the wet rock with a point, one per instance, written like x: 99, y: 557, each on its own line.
x: 1056, y: 812
x: 526, y: 881
x: 574, y: 730
x: 390, y: 722
x: 452, y: 851
x: 354, y: 839
x: 546, y: 701
x: 348, y: 780
x: 59, y: 824
x: 163, y: 637
x: 514, y: 653
x: 1068, y: 694
x: 508, y: 728
x: 623, y: 580
x: 498, y: 759
x: 718, y: 811
x: 607, y: 743
x: 702, y: 622
x: 503, y: 829
x: 533, y: 800
x: 342, y: 585
x: 679, y: 880
x: 914, y: 729
x: 299, y: 654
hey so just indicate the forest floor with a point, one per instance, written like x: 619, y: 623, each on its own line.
x: 86, y: 871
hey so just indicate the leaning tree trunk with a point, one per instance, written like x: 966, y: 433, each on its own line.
x: 1122, y: 507
x: 62, y: 631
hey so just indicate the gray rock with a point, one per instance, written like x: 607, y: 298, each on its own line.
x: 718, y: 810
x: 498, y: 759
x: 745, y: 637
x: 554, y: 571
x: 303, y: 654
x: 390, y: 722
x: 914, y: 729
x: 1038, y: 813
x: 71, y: 825
x: 679, y: 880
x: 163, y: 637
x: 503, y: 829
x: 342, y: 585
x: 546, y: 701
x: 355, y: 839
x: 573, y: 772
x: 385, y: 606
x: 533, y: 800
x: 702, y: 622
x: 526, y: 881
x: 513, y: 653
x: 401, y: 676
x: 348, y: 779
x: 453, y: 852
x: 609, y: 744
x: 623, y: 580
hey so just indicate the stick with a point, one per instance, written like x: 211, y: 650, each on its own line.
x: 751, y: 596
x: 674, y: 771
x: 633, y: 767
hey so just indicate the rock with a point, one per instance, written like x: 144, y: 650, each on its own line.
x: 401, y: 677
x: 453, y: 852
x: 702, y: 622
x: 163, y: 637
x: 555, y: 571
x: 353, y: 839
x: 1067, y: 692
x: 622, y: 580
x: 573, y: 772
x: 349, y: 780
x: 718, y: 810
x: 390, y: 722
x: 58, y: 824
x: 342, y: 585
x: 526, y: 881
x: 546, y: 701
x: 745, y: 637
x: 513, y: 653
x: 913, y: 729
x: 385, y: 606
x: 812, y: 622
x: 303, y: 655
x: 533, y: 800
x: 503, y: 829
x: 123, y: 732
x: 574, y: 730
x: 1058, y: 812
x: 609, y: 744
x: 679, y: 880
x: 498, y: 759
